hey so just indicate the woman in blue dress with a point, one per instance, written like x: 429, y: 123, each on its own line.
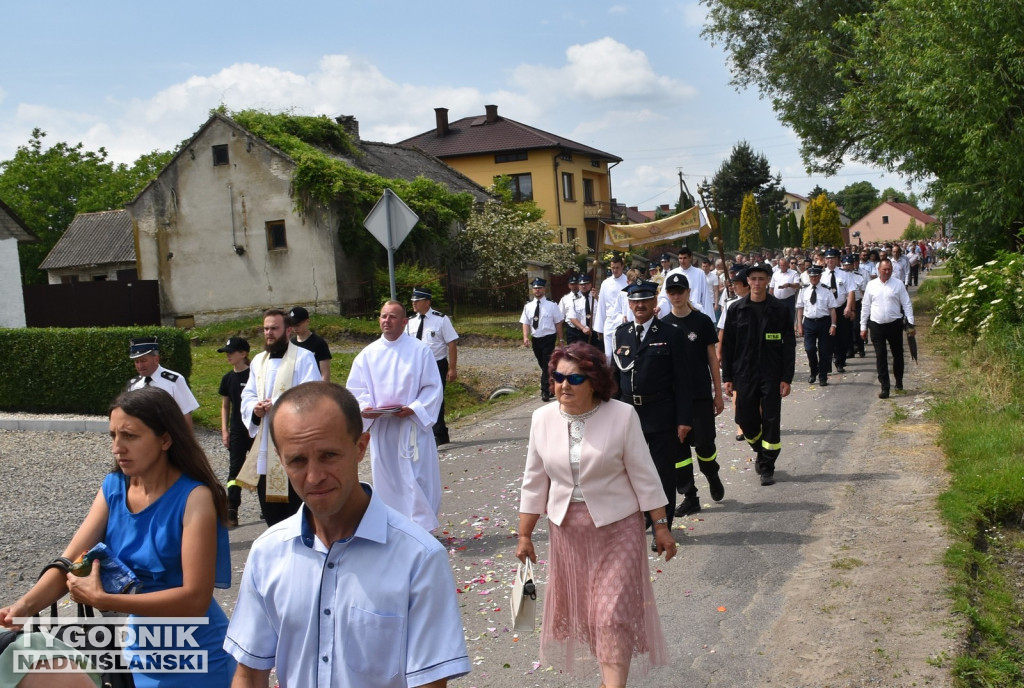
x: 162, y: 512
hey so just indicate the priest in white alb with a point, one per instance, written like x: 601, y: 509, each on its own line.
x: 396, y: 383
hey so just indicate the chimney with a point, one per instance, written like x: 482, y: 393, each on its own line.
x: 441, y: 115
x: 350, y: 124
x: 492, y: 114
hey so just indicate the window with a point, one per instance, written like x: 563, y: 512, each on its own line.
x: 522, y: 187
x: 99, y: 278
x: 885, y: 219
x: 568, y: 192
x: 570, y: 235
x: 591, y: 239
x: 276, y: 238
x: 588, y: 190
x: 510, y: 157
x: 220, y: 155
x: 594, y: 162
x: 796, y: 205
x: 566, y: 155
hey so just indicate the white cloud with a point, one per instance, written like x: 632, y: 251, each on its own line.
x: 617, y: 9
x: 604, y: 69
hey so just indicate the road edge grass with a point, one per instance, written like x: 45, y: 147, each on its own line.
x: 982, y: 435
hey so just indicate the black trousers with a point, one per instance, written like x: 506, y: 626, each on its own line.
x: 275, y: 512
x: 759, y: 413
x: 889, y: 335
x: 844, y: 329
x: 543, y: 347
x: 665, y: 448
x: 790, y: 303
x: 818, y: 345
x: 701, y: 439
x: 238, y: 446
x: 914, y: 272
x: 856, y: 343
x: 440, y: 428
x: 573, y: 334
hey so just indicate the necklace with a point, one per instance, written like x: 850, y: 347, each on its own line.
x: 576, y: 422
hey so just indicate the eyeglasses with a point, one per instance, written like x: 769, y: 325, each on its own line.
x: 573, y: 378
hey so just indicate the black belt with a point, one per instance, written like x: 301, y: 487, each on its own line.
x: 643, y: 400
x: 824, y: 317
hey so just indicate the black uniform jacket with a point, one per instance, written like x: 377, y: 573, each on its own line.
x: 652, y: 375
x: 752, y: 353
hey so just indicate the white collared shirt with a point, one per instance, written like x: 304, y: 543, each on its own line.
x: 377, y: 610
x: 882, y: 302
x: 823, y: 303
x: 438, y: 332
x: 550, y: 314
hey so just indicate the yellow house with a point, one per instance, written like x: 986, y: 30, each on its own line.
x: 569, y: 181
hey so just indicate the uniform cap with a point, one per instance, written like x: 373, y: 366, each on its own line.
x: 574, y: 279
x: 585, y: 279
x: 815, y: 271
x: 234, y: 344
x: 640, y: 290
x: 539, y: 282
x: 140, y: 346
x: 666, y: 258
x: 420, y: 293
x: 760, y: 267
x: 677, y: 281
x: 832, y: 253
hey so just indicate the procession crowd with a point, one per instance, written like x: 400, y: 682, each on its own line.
x: 347, y: 586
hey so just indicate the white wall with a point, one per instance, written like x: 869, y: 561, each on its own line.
x: 12, y: 302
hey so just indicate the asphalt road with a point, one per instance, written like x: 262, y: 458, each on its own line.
x: 718, y: 599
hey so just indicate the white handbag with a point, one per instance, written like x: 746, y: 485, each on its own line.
x: 524, y: 598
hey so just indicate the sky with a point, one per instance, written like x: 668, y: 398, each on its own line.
x: 634, y: 79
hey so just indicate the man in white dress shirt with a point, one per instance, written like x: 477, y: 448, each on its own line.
x: 885, y: 304
x: 398, y: 387
x: 785, y: 284
x: 816, y: 323
x: 542, y: 320
x: 609, y: 313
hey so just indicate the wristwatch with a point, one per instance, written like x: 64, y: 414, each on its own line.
x: 661, y: 522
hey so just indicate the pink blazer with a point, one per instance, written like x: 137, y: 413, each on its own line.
x: 617, y: 474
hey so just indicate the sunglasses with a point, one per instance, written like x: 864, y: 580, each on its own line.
x: 573, y: 378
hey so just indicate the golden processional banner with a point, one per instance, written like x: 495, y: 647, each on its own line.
x: 660, y: 231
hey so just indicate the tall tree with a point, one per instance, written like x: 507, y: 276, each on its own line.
x: 947, y: 75
x: 823, y: 221
x: 747, y: 172
x: 857, y: 199
x: 750, y: 225
x: 47, y: 187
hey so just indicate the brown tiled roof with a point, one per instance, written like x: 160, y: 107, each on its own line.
x: 94, y: 239
x: 474, y: 135
x: 395, y: 162
x: 11, y: 226
x: 923, y: 218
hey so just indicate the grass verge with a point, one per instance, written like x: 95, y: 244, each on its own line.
x: 982, y: 436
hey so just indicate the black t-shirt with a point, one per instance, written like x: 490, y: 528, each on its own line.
x: 231, y: 386
x: 317, y: 345
x: 699, y: 332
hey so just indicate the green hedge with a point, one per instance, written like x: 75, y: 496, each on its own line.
x: 78, y: 370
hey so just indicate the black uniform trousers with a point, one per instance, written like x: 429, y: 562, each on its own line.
x: 759, y: 412
x: 239, y: 444
x: 844, y: 329
x: 275, y: 512
x: 701, y: 439
x: 856, y: 343
x: 440, y: 428
x: 573, y: 334
x: 543, y: 347
x: 887, y: 335
x: 818, y: 345
x: 664, y: 447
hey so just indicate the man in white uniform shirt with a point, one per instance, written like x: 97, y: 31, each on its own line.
x: 816, y: 323
x: 785, y: 284
x: 435, y: 329
x: 281, y: 366
x: 843, y: 287
x: 145, y: 354
x: 398, y: 387
x: 567, y: 304
x: 885, y: 304
x: 542, y: 320
x: 609, y: 314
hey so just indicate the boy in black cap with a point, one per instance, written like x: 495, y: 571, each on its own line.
x: 701, y: 339
x: 233, y: 433
x: 759, y: 357
x: 311, y: 341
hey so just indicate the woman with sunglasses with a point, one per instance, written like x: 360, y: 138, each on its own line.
x: 589, y: 469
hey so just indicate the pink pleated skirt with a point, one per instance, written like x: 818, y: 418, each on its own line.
x: 599, y: 602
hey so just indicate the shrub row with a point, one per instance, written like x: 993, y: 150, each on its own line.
x: 77, y: 370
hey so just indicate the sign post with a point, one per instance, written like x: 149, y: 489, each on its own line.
x: 390, y: 222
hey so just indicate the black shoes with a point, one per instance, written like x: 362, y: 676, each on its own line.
x: 716, y: 487
x: 232, y: 518
x: 767, y: 478
x: 824, y: 382
x: 812, y: 379
x: 690, y: 505
x: 899, y: 386
x: 442, y: 439
x: 884, y: 394
x: 841, y: 369
x: 861, y: 354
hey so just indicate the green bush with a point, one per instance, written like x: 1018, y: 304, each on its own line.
x: 406, y: 278
x: 988, y: 295
x: 78, y: 370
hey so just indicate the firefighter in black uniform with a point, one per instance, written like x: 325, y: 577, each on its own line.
x: 651, y: 372
x: 758, y: 358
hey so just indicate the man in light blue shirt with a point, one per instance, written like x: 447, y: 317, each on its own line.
x: 347, y: 592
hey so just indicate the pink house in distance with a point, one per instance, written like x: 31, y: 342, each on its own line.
x: 887, y: 222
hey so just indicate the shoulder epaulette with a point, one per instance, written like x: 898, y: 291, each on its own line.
x: 168, y: 375
x: 437, y: 313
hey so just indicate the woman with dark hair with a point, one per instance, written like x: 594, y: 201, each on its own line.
x: 162, y: 512
x: 589, y: 469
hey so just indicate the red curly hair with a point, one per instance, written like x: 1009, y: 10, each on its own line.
x: 591, y: 362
